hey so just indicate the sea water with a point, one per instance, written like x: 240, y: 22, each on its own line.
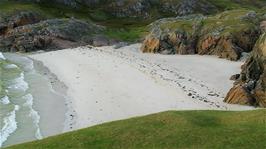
x: 17, y: 114
x: 30, y: 108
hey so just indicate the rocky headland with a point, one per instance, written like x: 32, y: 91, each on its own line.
x: 226, y: 35
x: 250, y: 84
x: 27, y: 31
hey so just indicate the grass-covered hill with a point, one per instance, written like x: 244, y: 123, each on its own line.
x: 153, y: 8
x: 125, y: 20
x: 102, y: 10
x: 171, y: 130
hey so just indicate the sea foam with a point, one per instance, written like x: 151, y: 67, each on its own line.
x: 2, y: 56
x: 4, y: 100
x: 11, y: 66
x: 33, y: 114
x: 19, y: 83
x: 10, y: 125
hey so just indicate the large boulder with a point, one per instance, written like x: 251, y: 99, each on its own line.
x: 250, y: 88
x: 226, y: 35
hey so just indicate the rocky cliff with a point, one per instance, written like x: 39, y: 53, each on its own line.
x: 226, y: 35
x: 250, y: 85
x: 28, y: 31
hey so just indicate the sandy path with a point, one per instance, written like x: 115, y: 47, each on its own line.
x: 107, y: 84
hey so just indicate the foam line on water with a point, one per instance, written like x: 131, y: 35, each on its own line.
x: 19, y: 83
x: 33, y: 114
x: 10, y: 125
x: 11, y: 66
x: 2, y: 56
x: 4, y: 100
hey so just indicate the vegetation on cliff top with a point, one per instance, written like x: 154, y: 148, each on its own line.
x: 186, y: 129
x: 121, y: 29
x: 132, y: 28
x: 226, y: 34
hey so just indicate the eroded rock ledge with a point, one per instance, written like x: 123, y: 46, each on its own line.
x: 226, y: 35
x: 27, y: 31
x: 250, y: 86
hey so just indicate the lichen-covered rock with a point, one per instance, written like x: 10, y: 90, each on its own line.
x: 187, y: 7
x: 137, y: 8
x: 229, y: 34
x: 49, y: 34
x: 226, y: 35
x: 16, y: 19
x: 173, y: 36
x: 252, y: 82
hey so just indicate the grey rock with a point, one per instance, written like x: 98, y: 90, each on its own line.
x: 49, y: 34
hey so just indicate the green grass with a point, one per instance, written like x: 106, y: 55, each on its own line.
x: 167, y: 130
x: 127, y: 34
x: 185, y: 25
x: 129, y: 29
x: 126, y: 29
x: 230, y: 4
x: 228, y: 22
x: 50, y: 11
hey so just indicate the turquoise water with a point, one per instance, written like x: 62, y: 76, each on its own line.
x: 30, y: 107
x: 19, y: 121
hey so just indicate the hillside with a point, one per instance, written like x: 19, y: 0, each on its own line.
x: 188, y: 129
x: 154, y: 8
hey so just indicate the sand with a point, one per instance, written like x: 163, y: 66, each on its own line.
x: 107, y: 84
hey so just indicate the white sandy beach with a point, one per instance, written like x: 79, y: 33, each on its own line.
x: 107, y: 84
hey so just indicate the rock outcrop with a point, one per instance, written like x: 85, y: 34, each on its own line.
x: 49, y: 35
x: 187, y: 7
x: 152, y: 8
x: 226, y: 35
x: 20, y: 18
x: 250, y: 88
x: 173, y: 36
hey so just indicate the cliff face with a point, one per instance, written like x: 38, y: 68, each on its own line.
x: 250, y: 87
x: 226, y: 35
x: 28, y: 31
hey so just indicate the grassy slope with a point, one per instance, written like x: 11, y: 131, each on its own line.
x: 121, y: 29
x: 126, y: 29
x: 187, y: 129
x: 234, y: 4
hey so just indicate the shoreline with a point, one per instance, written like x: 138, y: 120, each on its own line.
x: 42, y: 106
x: 105, y: 84
x: 58, y: 87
